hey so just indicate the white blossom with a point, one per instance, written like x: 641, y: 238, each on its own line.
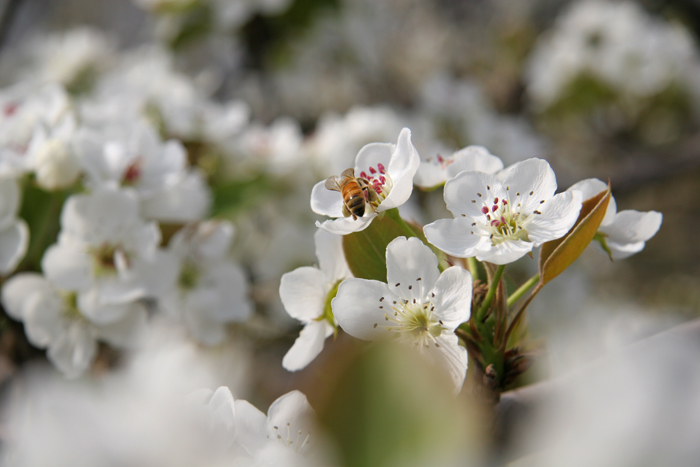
x: 500, y: 218
x: 207, y: 291
x: 306, y: 293
x: 418, y: 305
x: 387, y: 168
x: 623, y: 233
x: 436, y: 170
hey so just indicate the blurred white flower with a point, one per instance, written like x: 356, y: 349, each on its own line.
x: 617, y: 43
x: 436, y: 170
x: 52, y: 154
x: 418, y: 305
x: 14, y: 233
x: 105, y: 252
x: 500, y: 218
x: 72, y: 58
x: 306, y: 293
x: 621, y: 233
x: 23, y: 108
x: 132, y: 156
x: 53, y: 319
x: 206, y: 290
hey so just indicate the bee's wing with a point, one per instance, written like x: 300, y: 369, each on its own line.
x: 333, y: 183
x: 348, y: 173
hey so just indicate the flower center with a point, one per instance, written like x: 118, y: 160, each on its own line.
x: 106, y: 257
x: 70, y: 307
x: 379, y: 181
x: 132, y: 173
x: 298, y: 441
x: 414, y: 322
x: 441, y: 161
x: 503, y: 222
x: 189, y: 276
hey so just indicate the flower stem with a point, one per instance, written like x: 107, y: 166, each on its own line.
x: 517, y: 295
x: 473, y: 267
x: 491, y: 293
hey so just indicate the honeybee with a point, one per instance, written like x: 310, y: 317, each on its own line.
x: 356, y: 192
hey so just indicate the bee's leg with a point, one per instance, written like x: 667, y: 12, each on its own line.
x: 346, y: 212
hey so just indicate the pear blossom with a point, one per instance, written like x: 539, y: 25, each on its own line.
x: 133, y: 156
x: 621, y: 234
x: 435, y: 171
x: 285, y: 436
x: 105, y: 252
x: 500, y: 218
x: 208, y: 291
x: 53, y: 319
x: 306, y: 293
x: 418, y: 305
x: 387, y: 168
x: 14, y: 233
x: 22, y: 109
x: 53, y: 156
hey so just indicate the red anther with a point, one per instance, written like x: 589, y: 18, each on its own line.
x: 495, y: 222
x: 381, y: 168
x: 363, y: 174
x: 440, y: 159
x: 382, y: 179
x: 503, y: 220
x: 372, y: 170
x: 495, y: 201
x: 494, y: 208
x: 505, y: 202
x: 485, y: 210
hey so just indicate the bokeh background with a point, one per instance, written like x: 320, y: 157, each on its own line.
x: 605, y: 89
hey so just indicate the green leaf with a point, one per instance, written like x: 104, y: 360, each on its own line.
x: 365, y: 251
x: 557, y: 255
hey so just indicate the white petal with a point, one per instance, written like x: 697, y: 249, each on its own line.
x: 187, y: 201
x: 290, y: 413
x: 559, y: 214
x: 629, y: 230
x: 231, y: 285
x: 453, y: 297
x: 74, y: 351
x: 534, y: 179
x: 505, y: 252
x: 223, y: 409
x: 372, y: 154
x: 402, y: 167
x: 429, y: 175
x: 591, y: 187
x: 43, y: 317
x: 13, y: 245
x: 330, y: 254
x: 129, y: 331
x: 469, y: 192
x: 455, y: 237
x: 92, y: 306
x: 474, y: 158
x: 451, y: 356
x: 251, y: 426
x: 99, y: 217
x: 303, y: 293
x: 67, y: 265
x: 326, y: 202
x: 199, y: 306
x: 307, y: 346
x: 356, y: 307
x: 411, y: 268
x: 17, y: 290
x: 347, y: 225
